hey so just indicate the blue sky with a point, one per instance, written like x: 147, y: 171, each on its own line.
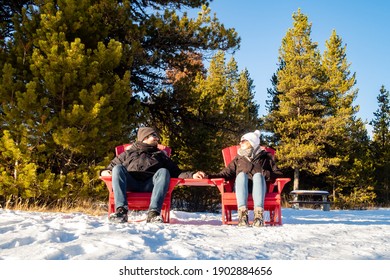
x: 362, y: 25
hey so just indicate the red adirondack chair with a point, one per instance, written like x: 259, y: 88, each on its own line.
x: 141, y: 200
x: 272, y: 202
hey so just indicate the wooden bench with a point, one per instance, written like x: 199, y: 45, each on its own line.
x: 313, y: 197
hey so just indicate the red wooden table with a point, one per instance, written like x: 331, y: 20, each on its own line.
x: 218, y: 182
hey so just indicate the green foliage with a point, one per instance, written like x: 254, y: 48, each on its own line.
x: 215, y: 109
x: 299, y: 118
x: 272, y: 105
x: 195, y: 199
x: 381, y: 123
x: 212, y: 109
x: 78, y: 78
x: 381, y: 146
x: 18, y: 173
x: 347, y: 141
x: 356, y: 198
x: 311, y: 114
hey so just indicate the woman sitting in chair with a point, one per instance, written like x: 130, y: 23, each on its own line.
x: 251, y: 168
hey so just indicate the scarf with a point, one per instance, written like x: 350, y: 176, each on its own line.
x: 145, y: 147
x: 248, y: 153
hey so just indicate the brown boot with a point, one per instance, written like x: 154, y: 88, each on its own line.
x: 243, y: 217
x: 258, y: 220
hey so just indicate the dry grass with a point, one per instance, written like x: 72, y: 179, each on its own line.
x: 87, y: 206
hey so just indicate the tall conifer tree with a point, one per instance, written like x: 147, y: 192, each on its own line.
x: 272, y: 104
x: 347, y: 141
x: 299, y: 120
x: 216, y: 107
x: 78, y: 77
x: 381, y: 145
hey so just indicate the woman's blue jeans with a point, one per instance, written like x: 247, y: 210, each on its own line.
x: 258, y: 190
x: 122, y: 181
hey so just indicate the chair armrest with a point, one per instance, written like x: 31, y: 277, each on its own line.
x: 220, y: 183
x: 223, y: 185
x: 279, y: 183
x: 105, y: 173
x: 173, y: 183
x: 108, y: 181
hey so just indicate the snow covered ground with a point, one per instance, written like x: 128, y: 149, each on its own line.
x: 305, y: 235
x: 338, y: 245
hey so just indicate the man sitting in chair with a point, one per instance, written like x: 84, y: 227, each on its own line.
x: 144, y: 168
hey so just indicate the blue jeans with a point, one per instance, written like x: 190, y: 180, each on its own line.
x: 258, y: 191
x: 122, y: 181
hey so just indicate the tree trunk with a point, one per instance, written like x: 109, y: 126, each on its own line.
x: 296, y: 178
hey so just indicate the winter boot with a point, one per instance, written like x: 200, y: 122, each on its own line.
x: 154, y: 217
x: 243, y: 217
x: 120, y: 216
x: 258, y: 220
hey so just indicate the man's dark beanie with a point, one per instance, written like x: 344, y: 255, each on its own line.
x: 143, y: 132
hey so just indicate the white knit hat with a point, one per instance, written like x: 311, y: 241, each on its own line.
x: 253, y: 138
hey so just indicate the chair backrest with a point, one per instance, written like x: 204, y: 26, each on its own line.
x: 120, y: 149
x: 230, y: 153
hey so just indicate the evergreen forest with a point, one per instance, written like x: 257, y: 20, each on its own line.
x: 78, y: 77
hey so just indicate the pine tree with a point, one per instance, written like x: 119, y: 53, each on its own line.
x: 339, y: 84
x: 299, y: 120
x: 381, y: 145
x: 347, y: 141
x: 218, y: 107
x: 381, y: 123
x: 212, y: 109
x: 57, y: 106
x: 272, y: 104
x: 78, y: 77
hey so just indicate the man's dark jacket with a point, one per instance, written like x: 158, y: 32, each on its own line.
x: 143, y: 160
